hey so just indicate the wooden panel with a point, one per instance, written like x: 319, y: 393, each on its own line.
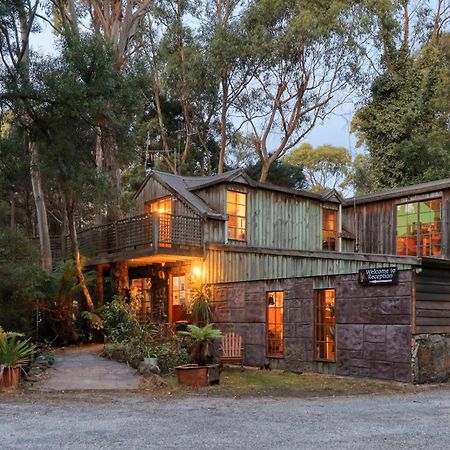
x: 432, y: 300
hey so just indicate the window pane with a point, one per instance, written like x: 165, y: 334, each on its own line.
x: 237, y: 213
x: 329, y: 229
x: 324, y: 324
x: 274, y: 328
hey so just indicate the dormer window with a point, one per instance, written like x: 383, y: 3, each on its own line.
x: 329, y: 229
x: 161, y: 206
x: 237, y: 215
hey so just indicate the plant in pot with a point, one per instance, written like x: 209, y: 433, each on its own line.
x: 14, y: 353
x: 200, y: 306
x: 151, y: 356
x: 200, y: 371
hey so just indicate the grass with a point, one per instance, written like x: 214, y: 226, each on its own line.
x: 259, y: 383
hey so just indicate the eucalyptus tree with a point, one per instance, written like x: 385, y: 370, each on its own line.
x: 306, y: 57
x: 17, y: 21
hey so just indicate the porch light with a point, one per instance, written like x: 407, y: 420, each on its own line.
x: 197, y: 271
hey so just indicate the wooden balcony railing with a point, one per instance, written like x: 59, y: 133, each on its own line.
x: 154, y: 232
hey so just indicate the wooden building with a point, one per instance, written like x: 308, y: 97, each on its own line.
x: 311, y: 281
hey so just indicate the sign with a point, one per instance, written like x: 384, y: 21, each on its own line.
x: 382, y: 275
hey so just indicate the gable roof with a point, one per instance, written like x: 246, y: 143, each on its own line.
x: 405, y: 191
x: 184, y: 187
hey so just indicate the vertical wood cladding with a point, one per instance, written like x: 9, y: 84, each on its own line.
x: 433, y: 301
x: 374, y: 224
x: 153, y: 190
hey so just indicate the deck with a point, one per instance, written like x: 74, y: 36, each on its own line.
x: 139, y: 236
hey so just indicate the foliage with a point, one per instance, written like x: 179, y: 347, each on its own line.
x: 120, y: 321
x: 200, y: 352
x: 56, y: 307
x: 15, y: 351
x: 200, y: 306
x: 325, y: 167
x: 22, y: 282
x: 404, y: 123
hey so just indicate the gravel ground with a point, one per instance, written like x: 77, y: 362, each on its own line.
x: 137, y: 421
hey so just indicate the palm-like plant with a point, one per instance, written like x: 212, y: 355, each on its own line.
x: 201, y: 342
x: 14, y: 351
x: 201, y: 304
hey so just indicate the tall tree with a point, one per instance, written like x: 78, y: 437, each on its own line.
x: 17, y: 20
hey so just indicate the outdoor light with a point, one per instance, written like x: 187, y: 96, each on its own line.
x: 197, y: 271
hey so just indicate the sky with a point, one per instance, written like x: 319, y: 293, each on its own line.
x: 335, y: 129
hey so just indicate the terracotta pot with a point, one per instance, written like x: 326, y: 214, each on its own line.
x: 195, y: 375
x: 9, y: 377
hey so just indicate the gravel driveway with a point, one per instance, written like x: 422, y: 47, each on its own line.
x: 136, y: 421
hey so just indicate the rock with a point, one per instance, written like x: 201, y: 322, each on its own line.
x: 135, y: 363
x: 147, y: 370
x: 156, y: 380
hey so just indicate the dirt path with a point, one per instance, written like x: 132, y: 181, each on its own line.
x: 81, y: 368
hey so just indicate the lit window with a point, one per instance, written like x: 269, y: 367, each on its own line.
x: 237, y: 215
x: 325, y: 325
x: 329, y: 229
x: 179, y: 290
x: 160, y: 206
x: 419, y: 228
x: 274, y: 334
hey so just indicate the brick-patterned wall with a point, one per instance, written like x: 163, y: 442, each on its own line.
x: 373, y: 331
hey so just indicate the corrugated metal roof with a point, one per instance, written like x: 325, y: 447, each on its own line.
x: 399, y: 192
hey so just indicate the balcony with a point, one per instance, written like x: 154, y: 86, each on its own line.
x: 142, y: 236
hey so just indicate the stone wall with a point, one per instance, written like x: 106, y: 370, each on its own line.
x: 431, y: 358
x: 373, y: 332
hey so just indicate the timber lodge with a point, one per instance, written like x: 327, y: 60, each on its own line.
x: 292, y: 271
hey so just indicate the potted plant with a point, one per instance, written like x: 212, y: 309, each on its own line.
x: 200, y: 371
x: 151, y: 356
x: 200, y: 306
x: 14, y: 353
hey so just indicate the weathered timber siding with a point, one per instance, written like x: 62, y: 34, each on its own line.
x: 373, y: 330
x: 274, y: 219
x: 433, y: 301
x: 154, y: 190
x: 239, y: 264
x: 374, y: 224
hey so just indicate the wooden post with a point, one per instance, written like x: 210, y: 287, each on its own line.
x: 119, y: 276
x: 156, y: 227
x: 99, y: 289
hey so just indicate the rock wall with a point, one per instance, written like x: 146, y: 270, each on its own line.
x: 431, y: 358
x: 373, y: 329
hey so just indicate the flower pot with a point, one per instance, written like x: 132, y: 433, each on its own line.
x: 151, y: 361
x: 9, y: 377
x: 195, y: 375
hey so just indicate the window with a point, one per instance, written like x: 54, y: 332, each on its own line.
x: 143, y: 287
x: 237, y: 215
x: 329, y: 229
x: 179, y: 290
x: 274, y: 331
x: 163, y: 207
x: 419, y: 228
x: 325, y: 325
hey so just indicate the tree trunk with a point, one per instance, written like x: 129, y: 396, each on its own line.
x: 76, y: 255
x: 265, y: 166
x: 119, y: 277
x: 223, y: 125
x: 99, y: 290
x: 41, y: 209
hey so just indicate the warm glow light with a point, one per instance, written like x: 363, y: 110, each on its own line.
x: 197, y: 271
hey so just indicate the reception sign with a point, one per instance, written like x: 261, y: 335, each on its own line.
x: 376, y: 276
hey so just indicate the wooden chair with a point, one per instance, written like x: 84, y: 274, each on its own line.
x: 232, y: 350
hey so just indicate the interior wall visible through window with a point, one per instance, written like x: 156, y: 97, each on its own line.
x: 329, y: 229
x: 419, y: 228
x: 325, y: 325
x: 237, y: 215
x: 274, y: 329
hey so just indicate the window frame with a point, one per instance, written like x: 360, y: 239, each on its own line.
x: 237, y: 217
x: 418, y: 235
x: 316, y: 341
x: 278, y: 355
x: 328, y: 231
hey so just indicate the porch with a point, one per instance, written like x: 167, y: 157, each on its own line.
x: 141, y: 236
